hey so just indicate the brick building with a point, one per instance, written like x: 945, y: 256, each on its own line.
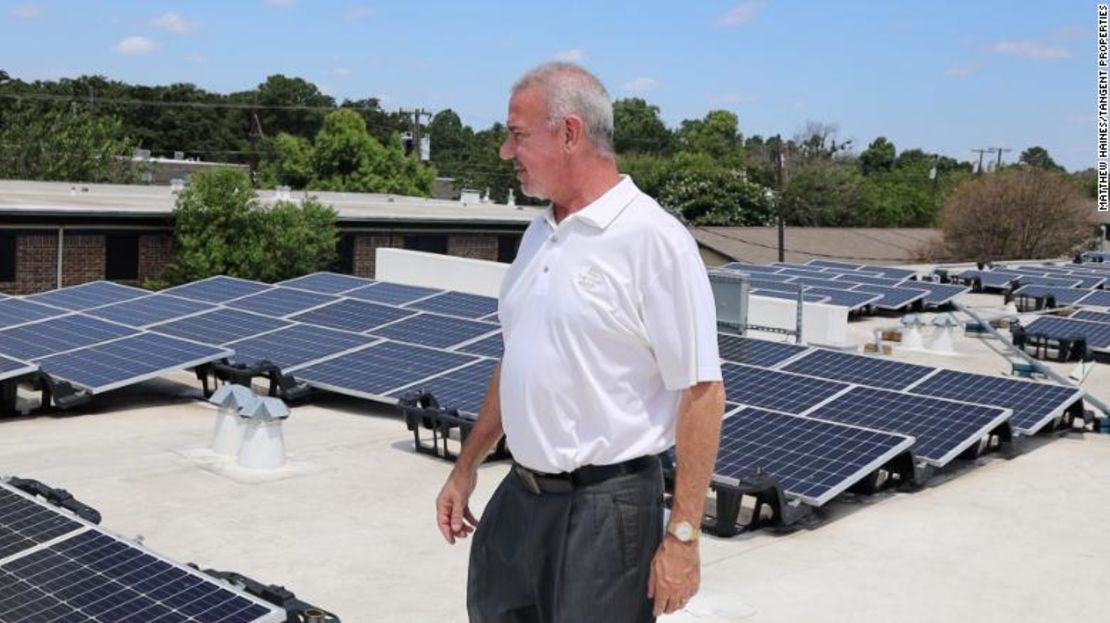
x: 59, y: 234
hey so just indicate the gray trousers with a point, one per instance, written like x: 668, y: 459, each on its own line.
x: 567, y: 557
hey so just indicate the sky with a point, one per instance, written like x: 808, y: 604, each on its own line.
x: 946, y: 76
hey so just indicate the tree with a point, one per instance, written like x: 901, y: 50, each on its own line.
x: 1025, y: 213
x: 290, y: 106
x: 701, y: 191
x: 718, y: 134
x: 70, y: 145
x: 824, y: 194
x: 638, y: 128
x: 221, y: 229
x: 348, y: 159
x: 289, y: 163
x: 817, y: 141
x: 1037, y: 157
x: 878, y: 157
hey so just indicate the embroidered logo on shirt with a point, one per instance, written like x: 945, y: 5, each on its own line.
x: 591, y: 280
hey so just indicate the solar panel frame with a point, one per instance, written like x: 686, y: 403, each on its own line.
x: 148, y: 310
x: 756, y: 352
x: 792, y: 441
x: 893, y: 298
x: 462, y: 389
x: 1031, y: 412
x: 391, y: 293
x: 110, y: 365
x: 55, y: 335
x: 326, y: 282
x: 11, y: 368
x: 353, y: 315
x: 16, y: 311
x: 280, y: 302
x: 220, y: 326
x: 385, y: 367
x: 87, y: 295
x: 218, y: 289
x: 26, y: 523
x: 297, y: 346
x: 865, y: 370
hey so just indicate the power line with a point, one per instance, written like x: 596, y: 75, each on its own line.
x: 180, y: 103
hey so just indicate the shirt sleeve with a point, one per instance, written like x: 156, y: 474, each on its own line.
x: 680, y: 317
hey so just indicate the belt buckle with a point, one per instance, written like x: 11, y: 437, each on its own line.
x: 529, y: 479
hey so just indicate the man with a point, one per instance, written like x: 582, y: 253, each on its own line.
x: 610, y: 358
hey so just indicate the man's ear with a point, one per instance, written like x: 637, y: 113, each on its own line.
x: 574, y: 132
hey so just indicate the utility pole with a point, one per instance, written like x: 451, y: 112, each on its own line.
x: 998, y: 163
x: 415, y: 126
x: 781, y: 179
x: 979, y: 171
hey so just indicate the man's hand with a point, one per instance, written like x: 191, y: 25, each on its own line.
x: 452, y: 505
x: 675, y: 575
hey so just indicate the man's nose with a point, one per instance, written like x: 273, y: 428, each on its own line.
x: 506, y: 151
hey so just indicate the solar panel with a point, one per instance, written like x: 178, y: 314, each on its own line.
x: 11, y: 368
x: 1065, y: 282
x: 942, y: 429
x: 296, y: 345
x: 492, y: 346
x: 752, y: 268
x: 762, y: 353
x: 790, y: 296
x: 96, y: 577
x: 861, y: 369
x: 220, y: 326
x: 327, y: 283
x: 435, y: 330
x: 812, y: 460
x: 1097, y: 334
x: 462, y: 389
x: 458, y: 304
x: 1090, y: 316
x: 86, y: 295
x: 218, y: 289
x: 281, y: 302
x: 770, y: 389
x: 390, y: 293
x: 987, y: 279
x: 832, y: 264
x: 845, y: 298
x: 148, y: 310
x: 865, y: 279
x: 377, y: 370
x: 938, y: 293
x: 892, y: 298
x: 820, y: 276
x: 18, y: 311
x: 1034, y: 404
x: 25, y: 524
x: 352, y: 315
x: 110, y: 365
x: 1063, y: 296
x: 1098, y: 298
x: 46, y: 337
x: 772, y: 284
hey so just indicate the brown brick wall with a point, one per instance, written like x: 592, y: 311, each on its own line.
x: 35, y: 264
x: 156, y: 252
x: 82, y: 259
x: 478, y: 247
x: 366, y: 246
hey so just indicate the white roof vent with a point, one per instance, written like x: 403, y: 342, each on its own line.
x: 469, y: 196
x: 177, y: 185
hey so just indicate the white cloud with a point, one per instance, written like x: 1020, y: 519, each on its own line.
x: 135, y: 46
x: 173, y: 22
x: 281, y: 3
x: 27, y: 11
x: 359, y: 12
x: 195, y: 57
x: 1026, y: 48
x: 742, y: 13
x: 732, y: 98
x: 571, y: 56
x: 641, y: 84
x: 963, y: 71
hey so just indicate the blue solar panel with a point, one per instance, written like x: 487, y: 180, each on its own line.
x: 845, y: 298
x: 987, y: 279
x: 802, y: 275
x: 492, y: 346
x: 772, y: 284
x: 861, y: 369
x: 353, y: 315
x: 458, y: 304
x: 218, y: 289
x: 46, y: 337
x: 770, y: 389
x: 890, y: 272
x: 892, y: 298
x: 377, y: 370
x: 812, y: 460
x: 435, y: 330
x: 390, y: 293
x: 462, y: 389
x: 95, y: 577
x: 867, y: 279
x: 106, y: 366
x: 86, y: 295
x: 296, y: 345
x: 327, y: 283
x: 1097, y: 334
x: 281, y: 302
x: 148, y: 310
x: 762, y: 353
x: 832, y: 264
x: 1098, y: 298
x: 938, y: 293
x: 942, y: 429
x: 10, y: 368
x: 25, y: 524
x: 1090, y: 316
x: 220, y: 326
x: 18, y: 311
x: 1062, y: 296
x: 1065, y: 282
x: 1034, y: 404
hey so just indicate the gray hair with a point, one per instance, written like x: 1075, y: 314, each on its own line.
x: 571, y: 90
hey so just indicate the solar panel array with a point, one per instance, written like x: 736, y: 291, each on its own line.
x: 58, y: 568
x: 762, y: 353
x: 1091, y: 316
x: 1097, y: 334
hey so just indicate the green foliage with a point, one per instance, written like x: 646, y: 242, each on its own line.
x: 1037, y: 157
x: 637, y: 128
x: 70, y: 145
x: 221, y: 229
x: 825, y: 194
x: 290, y: 163
x: 878, y: 157
x: 718, y: 134
x: 701, y: 191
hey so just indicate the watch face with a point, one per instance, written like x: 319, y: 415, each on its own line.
x: 683, y: 531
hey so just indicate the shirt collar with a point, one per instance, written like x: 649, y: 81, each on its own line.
x: 604, y: 210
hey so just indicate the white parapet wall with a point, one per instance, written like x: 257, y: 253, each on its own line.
x: 434, y: 270
x: 826, y: 325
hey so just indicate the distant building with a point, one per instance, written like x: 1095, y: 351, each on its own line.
x: 58, y: 234
x: 720, y: 245
x: 162, y: 171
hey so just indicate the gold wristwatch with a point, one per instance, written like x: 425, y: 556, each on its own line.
x: 684, y: 531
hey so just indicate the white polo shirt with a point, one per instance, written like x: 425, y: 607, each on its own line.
x: 606, y: 318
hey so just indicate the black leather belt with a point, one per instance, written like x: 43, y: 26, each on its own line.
x: 565, y: 482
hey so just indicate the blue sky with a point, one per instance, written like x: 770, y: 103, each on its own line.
x: 944, y: 76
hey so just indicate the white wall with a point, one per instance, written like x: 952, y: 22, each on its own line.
x: 434, y: 270
x: 822, y: 324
